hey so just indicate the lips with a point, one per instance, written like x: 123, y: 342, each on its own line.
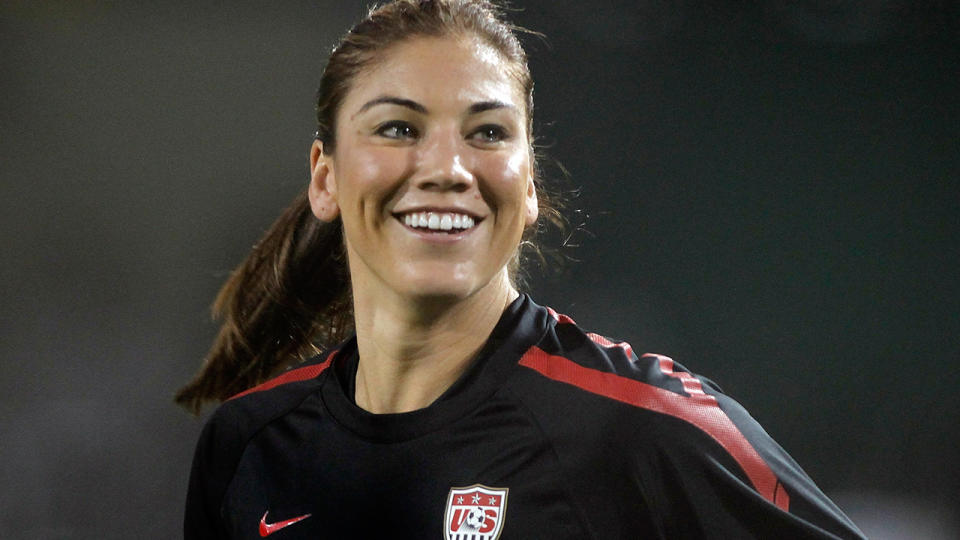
x: 438, y: 221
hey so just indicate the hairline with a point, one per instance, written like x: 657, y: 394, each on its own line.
x: 517, y: 71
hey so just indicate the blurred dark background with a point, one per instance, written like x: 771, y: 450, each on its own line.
x: 769, y: 194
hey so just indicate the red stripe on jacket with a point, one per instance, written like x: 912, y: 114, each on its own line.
x: 299, y: 374
x: 698, y: 408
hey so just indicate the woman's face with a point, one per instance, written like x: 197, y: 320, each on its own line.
x: 431, y: 173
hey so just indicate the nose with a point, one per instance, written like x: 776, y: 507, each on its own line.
x: 442, y: 164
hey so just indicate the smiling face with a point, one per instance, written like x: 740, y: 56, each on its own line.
x: 431, y: 174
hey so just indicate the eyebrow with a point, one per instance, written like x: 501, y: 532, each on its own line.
x: 488, y: 106
x: 408, y: 103
x: 476, y: 108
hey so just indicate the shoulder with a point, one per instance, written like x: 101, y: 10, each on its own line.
x: 245, y: 413
x: 610, y: 368
x: 690, y: 452
x: 647, y: 402
x: 229, y: 430
x: 237, y: 420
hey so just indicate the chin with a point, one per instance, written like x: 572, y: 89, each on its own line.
x: 443, y: 292
x: 446, y: 286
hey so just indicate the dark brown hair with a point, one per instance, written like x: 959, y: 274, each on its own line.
x: 291, y: 296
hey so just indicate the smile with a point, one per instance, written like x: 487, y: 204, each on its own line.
x: 438, y: 221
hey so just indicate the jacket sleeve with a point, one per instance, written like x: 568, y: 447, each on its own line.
x: 737, y: 484
x: 213, y: 466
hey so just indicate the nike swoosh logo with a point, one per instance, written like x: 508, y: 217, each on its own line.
x: 266, y: 529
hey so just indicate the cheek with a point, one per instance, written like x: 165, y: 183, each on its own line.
x: 518, y: 165
x: 509, y: 175
x: 370, y: 176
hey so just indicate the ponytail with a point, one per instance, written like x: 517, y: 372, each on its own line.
x: 292, y: 293
x: 289, y: 298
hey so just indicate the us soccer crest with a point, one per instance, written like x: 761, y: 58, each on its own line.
x: 475, y: 513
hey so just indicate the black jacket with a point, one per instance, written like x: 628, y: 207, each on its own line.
x: 552, y: 433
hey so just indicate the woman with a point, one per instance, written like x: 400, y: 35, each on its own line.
x: 458, y: 407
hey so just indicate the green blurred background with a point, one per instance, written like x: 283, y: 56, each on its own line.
x: 768, y: 194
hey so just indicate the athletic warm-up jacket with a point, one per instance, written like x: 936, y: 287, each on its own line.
x: 552, y: 433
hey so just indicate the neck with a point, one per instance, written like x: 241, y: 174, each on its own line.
x: 411, y: 351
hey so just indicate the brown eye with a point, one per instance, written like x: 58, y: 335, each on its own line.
x: 489, y: 133
x: 397, y: 130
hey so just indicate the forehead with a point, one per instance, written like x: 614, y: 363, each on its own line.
x: 445, y: 71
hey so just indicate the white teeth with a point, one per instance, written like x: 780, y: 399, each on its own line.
x: 438, y: 222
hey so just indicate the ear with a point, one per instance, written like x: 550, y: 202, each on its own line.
x: 322, y: 191
x: 530, y: 202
